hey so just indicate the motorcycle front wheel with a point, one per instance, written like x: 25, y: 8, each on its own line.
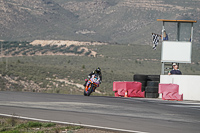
x: 85, y: 94
x: 90, y: 90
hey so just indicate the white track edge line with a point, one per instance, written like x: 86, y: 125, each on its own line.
x: 69, y: 123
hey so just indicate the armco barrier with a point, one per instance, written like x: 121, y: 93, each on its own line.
x: 170, y: 92
x: 133, y: 89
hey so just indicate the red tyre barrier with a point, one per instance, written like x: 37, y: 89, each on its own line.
x: 133, y: 89
x: 170, y: 92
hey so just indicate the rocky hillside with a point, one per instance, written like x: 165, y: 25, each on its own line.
x: 120, y: 21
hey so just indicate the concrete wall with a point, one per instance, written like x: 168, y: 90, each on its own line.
x: 189, y: 85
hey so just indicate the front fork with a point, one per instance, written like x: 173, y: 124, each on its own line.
x: 89, y: 87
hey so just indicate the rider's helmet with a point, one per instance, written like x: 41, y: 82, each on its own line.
x: 98, y: 69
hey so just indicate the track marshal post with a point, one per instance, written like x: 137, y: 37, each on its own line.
x: 177, y: 49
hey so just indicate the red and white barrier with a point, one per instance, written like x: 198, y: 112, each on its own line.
x: 189, y: 85
x: 170, y: 92
x: 128, y: 89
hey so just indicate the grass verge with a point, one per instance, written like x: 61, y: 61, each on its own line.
x: 14, y: 125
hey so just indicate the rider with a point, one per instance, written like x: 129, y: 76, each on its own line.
x: 97, y: 71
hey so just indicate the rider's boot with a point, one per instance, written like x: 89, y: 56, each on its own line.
x: 94, y: 89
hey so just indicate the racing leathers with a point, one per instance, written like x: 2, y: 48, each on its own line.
x: 92, y: 73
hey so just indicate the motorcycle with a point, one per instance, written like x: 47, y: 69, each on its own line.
x: 92, y: 84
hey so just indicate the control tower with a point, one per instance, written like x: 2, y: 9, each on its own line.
x: 177, y: 48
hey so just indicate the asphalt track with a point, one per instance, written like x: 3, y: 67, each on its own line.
x: 121, y: 114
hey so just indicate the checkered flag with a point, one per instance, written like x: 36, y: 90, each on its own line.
x: 155, y: 38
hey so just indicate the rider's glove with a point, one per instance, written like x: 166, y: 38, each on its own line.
x: 100, y: 81
x: 89, y: 77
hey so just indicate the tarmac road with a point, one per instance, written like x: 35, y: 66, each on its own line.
x: 121, y: 114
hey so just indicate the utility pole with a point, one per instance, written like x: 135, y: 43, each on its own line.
x: 1, y: 50
x: 6, y: 63
x: 5, y: 10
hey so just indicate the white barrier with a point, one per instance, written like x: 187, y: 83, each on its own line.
x: 189, y: 85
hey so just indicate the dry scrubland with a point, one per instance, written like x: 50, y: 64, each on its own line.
x: 55, y: 68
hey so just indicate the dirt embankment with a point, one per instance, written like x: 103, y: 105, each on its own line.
x: 65, y: 42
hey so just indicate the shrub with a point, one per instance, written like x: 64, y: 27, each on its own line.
x: 24, y: 53
x: 49, y: 124
x: 44, y: 51
x: 34, y: 124
x: 83, y: 67
x: 80, y: 52
x: 87, y: 53
x: 12, y: 121
x: 33, y: 53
